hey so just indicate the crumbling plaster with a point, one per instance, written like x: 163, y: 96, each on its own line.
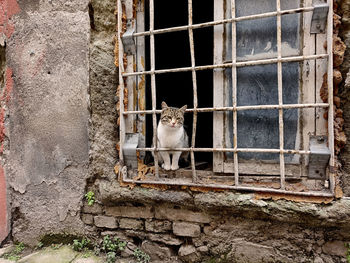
x: 48, y: 158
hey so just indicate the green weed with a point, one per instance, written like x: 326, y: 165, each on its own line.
x: 141, y: 256
x: 90, y: 197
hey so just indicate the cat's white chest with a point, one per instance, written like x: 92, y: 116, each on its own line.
x: 169, y: 137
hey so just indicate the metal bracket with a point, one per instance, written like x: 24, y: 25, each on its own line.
x: 319, y: 18
x: 129, y: 150
x: 128, y: 39
x: 319, y: 157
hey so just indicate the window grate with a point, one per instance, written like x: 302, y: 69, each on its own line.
x: 123, y: 75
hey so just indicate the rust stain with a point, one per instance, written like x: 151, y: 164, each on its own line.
x: 134, y: 8
x: 141, y: 89
x: 294, y: 198
x: 206, y: 189
x: 161, y: 187
x: 120, y: 179
x: 125, y: 100
x: 117, y: 146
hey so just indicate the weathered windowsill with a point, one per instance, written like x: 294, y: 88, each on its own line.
x: 253, y: 205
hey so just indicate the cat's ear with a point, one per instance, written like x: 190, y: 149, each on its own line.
x: 183, y: 108
x: 164, y: 105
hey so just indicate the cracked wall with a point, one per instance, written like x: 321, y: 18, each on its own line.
x: 48, y: 130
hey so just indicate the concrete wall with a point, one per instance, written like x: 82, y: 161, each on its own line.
x: 47, y: 161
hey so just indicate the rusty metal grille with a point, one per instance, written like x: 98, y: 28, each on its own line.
x: 123, y: 75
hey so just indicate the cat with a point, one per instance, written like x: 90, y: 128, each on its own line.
x: 171, y: 134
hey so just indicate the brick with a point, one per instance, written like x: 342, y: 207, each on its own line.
x: 130, y: 211
x: 158, y: 226
x: 128, y: 223
x: 105, y: 221
x: 335, y: 248
x: 181, y: 215
x: 156, y: 251
x: 92, y: 209
x: 186, y: 229
x: 87, y: 219
x: 165, y: 238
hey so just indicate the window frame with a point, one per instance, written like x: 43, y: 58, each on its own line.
x: 129, y: 107
x: 311, y: 81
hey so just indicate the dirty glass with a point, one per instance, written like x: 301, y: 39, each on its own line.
x: 257, y: 85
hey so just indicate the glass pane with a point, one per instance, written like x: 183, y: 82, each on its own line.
x: 257, y: 85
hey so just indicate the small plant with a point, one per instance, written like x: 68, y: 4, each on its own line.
x: 347, y: 245
x: 141, y: 256
x: 14, y: 255
x: 56, y: 246
x: 90, y: 197
x: 112, y: 245
x: 39, y: 245
x: 111, y: 256
x: 81, y: 245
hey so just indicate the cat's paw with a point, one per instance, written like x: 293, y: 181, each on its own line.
x: 174, y: 167
x: 166, y: 167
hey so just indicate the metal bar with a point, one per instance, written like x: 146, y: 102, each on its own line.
x: 330, y: 94
x: 241, y: 108
x: 153, y: 85
x: 224, y: 21
x: 280, y: 93
x: 251, y: 150
x: 121, y: 82
x: 229, y: 187
x: 234, y: 89
x: 194, y: 83
x: 229, y: 65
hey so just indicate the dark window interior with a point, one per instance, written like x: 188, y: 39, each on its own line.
x: 172, y: 50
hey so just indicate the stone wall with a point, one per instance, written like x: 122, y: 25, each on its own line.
x: 61, y: 140
x: 222, y: 227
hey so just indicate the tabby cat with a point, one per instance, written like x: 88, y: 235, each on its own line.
x: 171, y: 134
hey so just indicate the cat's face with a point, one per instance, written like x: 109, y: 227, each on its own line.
x: 172, y: 117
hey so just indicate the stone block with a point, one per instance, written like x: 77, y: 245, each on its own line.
x: 186, y: 229
x: 128, y: 223
x: 105, y: 221
x: 158, y: 226
x: 251, y: 252
x: 156, y: 251
x: 92, y: 209
x: 203, y: 249
x: 87, y: 219
x: 188, y: 253
x: 181, y: 215
x: 165, y: 238
x: 130, y: 211
x: 335, y: 248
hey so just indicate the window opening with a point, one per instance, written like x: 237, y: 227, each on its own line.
x: 172, y: 51
x: 232, y: 66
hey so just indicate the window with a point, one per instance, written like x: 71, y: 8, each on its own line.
x: 252, y: 77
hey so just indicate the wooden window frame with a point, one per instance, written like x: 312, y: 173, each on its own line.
x: 132, y: 90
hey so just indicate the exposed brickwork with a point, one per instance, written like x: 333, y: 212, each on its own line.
x: 186, y: 229
x: 130, y: 211
x: 128, y: 223
x: 181, y: 215
x: 105, y: 222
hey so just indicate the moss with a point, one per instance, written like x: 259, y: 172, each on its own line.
x: 50, y: 239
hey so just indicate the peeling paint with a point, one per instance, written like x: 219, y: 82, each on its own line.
x: 295, y: 198
x: 8, y: 8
